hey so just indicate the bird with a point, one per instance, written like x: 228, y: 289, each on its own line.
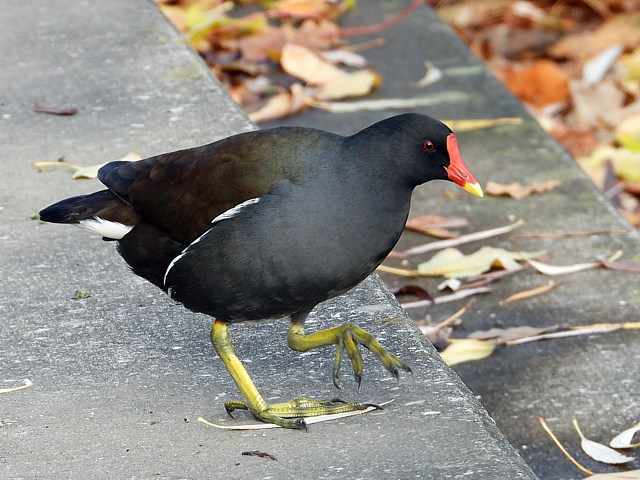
x: 267, y: 224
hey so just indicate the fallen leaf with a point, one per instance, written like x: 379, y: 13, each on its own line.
x: 353, y: 84
x: 459, y: 295
x: 432, y: 75
x: 26, y: 384
x: 518, y: 191
x: 539, y: 83
x: 533, y: 292
x: 622, y: 29
x: 510, y: 334
x: 630, y: 475
x: 412, y: 291
x: 594, y: 104
x: 577, y: 331
x: 600, y: 452
x: 91, y: 171
x: 464, y: 125
x: 547, y: 269
x: 308, y: 420
x: 345, y: 57
x: 258, y: 453
x: 391, y: 103
x: 281, y: 105
x: 595, y: 69
x: 305, y: 64
x: 548, y: 431
x: 452, y: 263
x: 435, y: 224
x: 624, y: 265
x: 454, y: 242
x: 467, y: 350
x: 625, y: 439
x: 54, y: 110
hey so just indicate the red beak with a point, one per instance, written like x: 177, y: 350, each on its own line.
x: 457, y: 171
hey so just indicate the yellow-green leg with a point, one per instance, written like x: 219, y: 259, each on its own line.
x: 288, y: 414
x: 345, y: 337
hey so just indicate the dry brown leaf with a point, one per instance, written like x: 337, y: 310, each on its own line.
x: 622, y: 29
x: 430, y: 224
x: 305, y: 64
x: 600, y: 452
x: 595, y: 104
x: 281, y: 104
x: 519, y: 191
x: 54, y: 110
x: 459, y: 295
x: 540, y: 83
x: 467, y: 350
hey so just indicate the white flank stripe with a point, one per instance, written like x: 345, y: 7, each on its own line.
x: 223, y: 216
x: 105, y: 228
x: 182, y: 254
x: 233, y: 211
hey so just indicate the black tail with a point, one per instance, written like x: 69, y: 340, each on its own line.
x: 103, y: 204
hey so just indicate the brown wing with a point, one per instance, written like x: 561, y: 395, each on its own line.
x: 180, y: 193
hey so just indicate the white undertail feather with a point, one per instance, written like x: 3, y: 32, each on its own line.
x: 105, y: 228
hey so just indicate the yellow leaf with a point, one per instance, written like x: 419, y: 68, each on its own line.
x: 452, y: 263
x: 467, y: 350
x: 355, y: 84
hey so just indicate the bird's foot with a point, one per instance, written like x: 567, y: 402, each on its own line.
x: 291, y: 414
x: 346, y: 338
x: 351, y: 336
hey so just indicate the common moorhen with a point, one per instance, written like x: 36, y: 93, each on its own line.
x: 268, y: 224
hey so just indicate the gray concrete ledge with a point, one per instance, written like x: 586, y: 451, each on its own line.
x: 122, y: 376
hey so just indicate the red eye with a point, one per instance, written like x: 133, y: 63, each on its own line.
x: 428, y: 146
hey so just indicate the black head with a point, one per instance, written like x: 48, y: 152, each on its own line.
x: 417, y: 148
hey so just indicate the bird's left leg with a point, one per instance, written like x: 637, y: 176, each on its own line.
x: 345, y: 337
x: 288, y: 414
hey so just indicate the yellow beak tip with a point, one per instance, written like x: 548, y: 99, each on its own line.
x: 474, y: 188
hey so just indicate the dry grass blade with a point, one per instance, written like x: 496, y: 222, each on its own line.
x: 533, y: 292
x: 548, y: 431
x: 579, y: 330
x: 454, y: 242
